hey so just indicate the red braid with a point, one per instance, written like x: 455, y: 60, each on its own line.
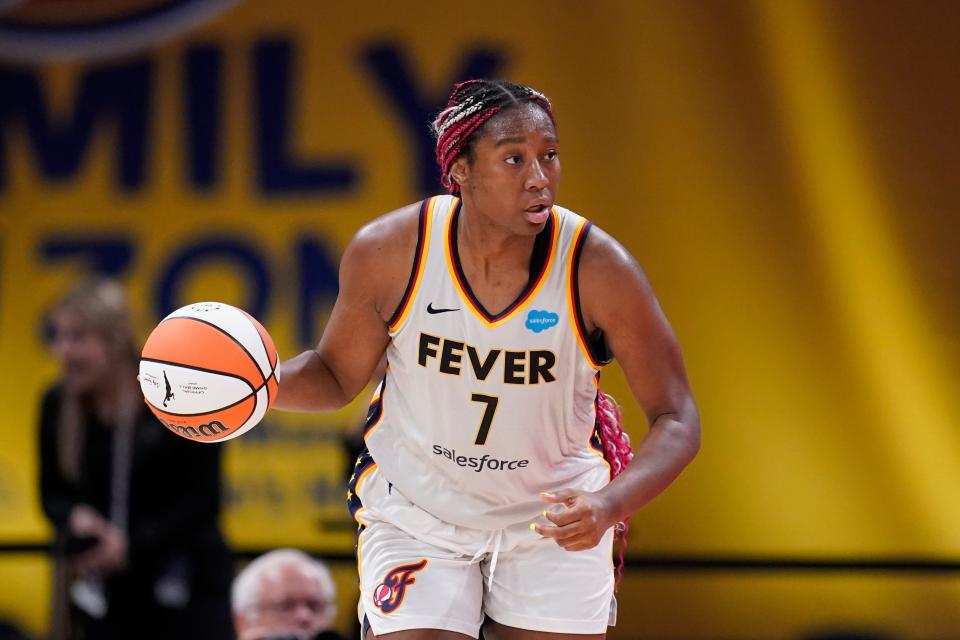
x: 452, y: 142
x: 618, y: 453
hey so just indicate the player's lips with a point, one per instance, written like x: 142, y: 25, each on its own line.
x: 538, y: 213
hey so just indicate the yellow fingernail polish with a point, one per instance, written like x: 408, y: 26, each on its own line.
x: 544, y: 513
x: 533, y: 527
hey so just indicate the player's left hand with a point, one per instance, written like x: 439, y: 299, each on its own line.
x: 582, y: 521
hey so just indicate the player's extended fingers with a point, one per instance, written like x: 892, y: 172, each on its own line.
x: 578, y: 542
x: 560, y: 534
x: 564, y: 517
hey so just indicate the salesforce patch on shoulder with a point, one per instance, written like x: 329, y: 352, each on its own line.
x: 538, y: 320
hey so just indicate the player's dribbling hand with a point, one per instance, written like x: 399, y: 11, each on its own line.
x: 580, y: 524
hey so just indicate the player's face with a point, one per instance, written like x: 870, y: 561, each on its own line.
x: 293, y: 603
x: 515, y: 172
x: 83, y: 354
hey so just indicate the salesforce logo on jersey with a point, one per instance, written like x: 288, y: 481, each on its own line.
x: 481, y: 463
x: 538, y: 321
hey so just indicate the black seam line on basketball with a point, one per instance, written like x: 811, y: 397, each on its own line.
x: 253, y: 391
x: 239, y: 344
x: 271, y: 365
x: 250, y: 415
x: 417, y: 260
x: 208, y: 413
x: 252, y: 394
x: 204, y: 370
x: 266, y: 383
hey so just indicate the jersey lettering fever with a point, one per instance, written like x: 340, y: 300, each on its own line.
x: 479, y: 413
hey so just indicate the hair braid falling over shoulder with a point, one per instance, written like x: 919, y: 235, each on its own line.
x: 618, y: 453
x: 469, y: 107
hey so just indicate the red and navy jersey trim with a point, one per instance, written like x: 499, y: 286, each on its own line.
x: 364, y: 462
x: 417, y: 260
x: 597, y: 346
x: 375, y: 410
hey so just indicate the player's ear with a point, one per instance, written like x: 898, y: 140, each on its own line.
x: 460, y: 171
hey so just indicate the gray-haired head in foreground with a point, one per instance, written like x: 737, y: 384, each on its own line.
x: 245, y: 595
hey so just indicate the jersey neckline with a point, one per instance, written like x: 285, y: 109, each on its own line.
x: 463, y: 285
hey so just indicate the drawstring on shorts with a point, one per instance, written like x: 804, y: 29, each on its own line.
x: 494, y: 540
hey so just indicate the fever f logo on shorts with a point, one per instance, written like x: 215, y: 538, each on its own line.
x: 388, y: 595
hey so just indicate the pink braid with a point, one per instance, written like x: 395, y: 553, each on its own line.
x: 452, y: 142
x: 618, y: 454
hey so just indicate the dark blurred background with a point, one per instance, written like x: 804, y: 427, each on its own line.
x: 787, y: 172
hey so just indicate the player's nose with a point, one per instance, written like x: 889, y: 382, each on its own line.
x: 536, y: 178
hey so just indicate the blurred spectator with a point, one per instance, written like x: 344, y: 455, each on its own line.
x: 138, y: 550
x: 285, y: 594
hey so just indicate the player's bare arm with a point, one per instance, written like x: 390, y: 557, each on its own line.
x: 374, y: 271
x: 617, y: 299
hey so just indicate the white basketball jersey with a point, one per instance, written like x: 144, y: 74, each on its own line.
x: 478, y: 413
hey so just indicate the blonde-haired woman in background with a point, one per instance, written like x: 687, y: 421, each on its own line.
x: 138, y: 551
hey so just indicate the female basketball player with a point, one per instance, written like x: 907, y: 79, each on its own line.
x: 484, y: 491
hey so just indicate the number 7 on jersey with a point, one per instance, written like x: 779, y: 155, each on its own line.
x: 487, y: 419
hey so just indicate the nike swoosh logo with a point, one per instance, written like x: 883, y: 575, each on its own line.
x: 430, y: 309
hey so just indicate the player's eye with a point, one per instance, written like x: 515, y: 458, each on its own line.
x: 552, y: 154
x: 514, y: 159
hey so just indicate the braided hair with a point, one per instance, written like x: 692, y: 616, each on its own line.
x: 470, y: 106
x: 618, y: 453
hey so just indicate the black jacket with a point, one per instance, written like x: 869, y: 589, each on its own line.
x: 174, y: 506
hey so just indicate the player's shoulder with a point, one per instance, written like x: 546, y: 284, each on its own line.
x: 604, y: 262
x: 394, y: 230
x: 384, y: 242
x: 597, y: 243
x: 599, y: 248
x: 596, y: 249
x: 376, y: 263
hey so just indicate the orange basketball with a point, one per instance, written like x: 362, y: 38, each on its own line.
x: 209, y: 372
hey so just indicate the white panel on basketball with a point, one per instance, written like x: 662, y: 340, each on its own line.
x: 234, y: 322
x: 193, y: 392
x: 260, y: 408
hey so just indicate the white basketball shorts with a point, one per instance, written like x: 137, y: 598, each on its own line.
x: 418, y: 572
